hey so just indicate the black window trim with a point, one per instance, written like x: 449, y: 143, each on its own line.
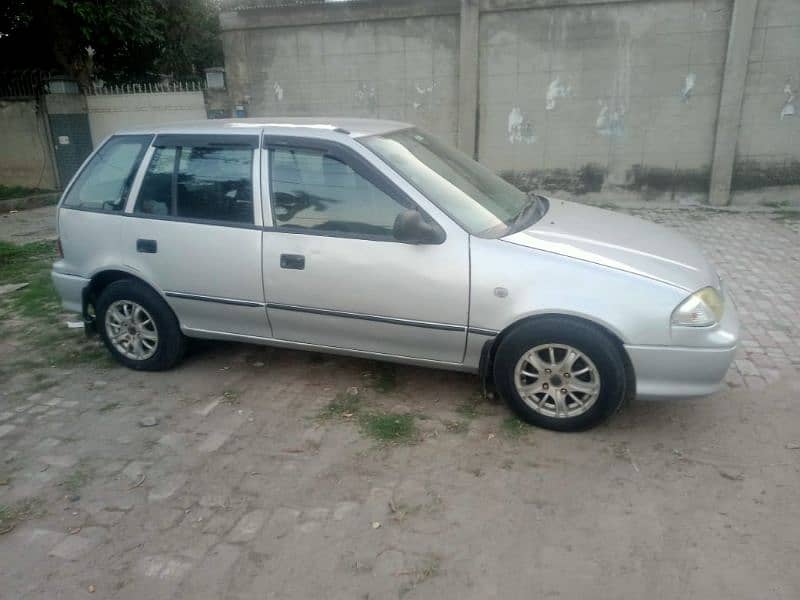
x: 225, y: 140
x: 355, y: 161
x: 147, y: 139
x: 178, y: 141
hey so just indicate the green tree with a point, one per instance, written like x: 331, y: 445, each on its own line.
x: 116, y: 41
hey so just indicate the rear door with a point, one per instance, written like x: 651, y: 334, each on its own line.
x: 195, y: 231
x: 333, y: 273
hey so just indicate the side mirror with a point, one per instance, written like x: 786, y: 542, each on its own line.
x: 411, y: 228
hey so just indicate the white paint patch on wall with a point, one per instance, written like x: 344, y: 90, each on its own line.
x: 366, y: 96
x: 277, y: 89
x: 610, y: 121
x: 520, y: 130
x: 556, y: 89
x: 688, y: 87
x: 789, y: 109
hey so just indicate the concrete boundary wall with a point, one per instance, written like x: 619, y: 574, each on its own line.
x: 656, y: 98
x: 25, y: 156
x: 110, y: 113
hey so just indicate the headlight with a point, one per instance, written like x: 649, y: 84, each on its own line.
x: 701, y: 309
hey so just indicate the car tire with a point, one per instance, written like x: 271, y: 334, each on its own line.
x: 151, y: 338
x: 580, y: 394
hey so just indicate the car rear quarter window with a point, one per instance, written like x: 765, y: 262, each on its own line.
x: 206, y: 183
x: 105, y: 182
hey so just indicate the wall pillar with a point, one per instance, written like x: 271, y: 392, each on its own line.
x: 730, y: 100
x: 468, y: 66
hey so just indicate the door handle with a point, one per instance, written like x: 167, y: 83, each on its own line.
x: 293, y: 261
x: 147, y: 246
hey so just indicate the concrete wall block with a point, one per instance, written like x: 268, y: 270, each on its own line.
x: 775, y: 75
x: 24, y: 157
x: 418, y: 65
x: 757, y: 45
x: 709, y: 48
x: 390, y: 65
x: 501, y: 60
x: 497, y: 29
x: 310, y: 42
x: 782, y: 43
x: 778, y: 13
x: 390, y: 39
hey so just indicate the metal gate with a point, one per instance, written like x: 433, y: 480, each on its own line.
x: 72, y: 142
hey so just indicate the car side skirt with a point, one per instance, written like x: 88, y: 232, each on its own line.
x: 407, y: 360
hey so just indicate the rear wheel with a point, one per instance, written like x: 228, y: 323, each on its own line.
x: 560, y: 373
x: 138, y: 327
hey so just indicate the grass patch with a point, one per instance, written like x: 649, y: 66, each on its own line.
x: 514, y: 428
x: 7, y: 192
x: 29, y: 263
x: 17, y: 262
x: 11, y: 514
x: 345, y: 405
x: 388, y: 428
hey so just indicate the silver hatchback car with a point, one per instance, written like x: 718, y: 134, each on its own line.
x: 372, y: 238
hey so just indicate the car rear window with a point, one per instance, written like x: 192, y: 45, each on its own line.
x: 105, y: 182
x: 204, y: 183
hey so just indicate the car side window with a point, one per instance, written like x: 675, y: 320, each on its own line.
x: 206, y: 183
x: 106, y: 181
x: 314, y: 190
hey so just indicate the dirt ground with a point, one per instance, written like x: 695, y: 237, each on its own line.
x: 251, y: 472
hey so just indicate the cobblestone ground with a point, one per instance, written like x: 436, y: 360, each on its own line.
x: 254, y: 473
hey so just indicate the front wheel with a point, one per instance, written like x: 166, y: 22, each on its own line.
x: 138, y: 327
x: 560, y: 373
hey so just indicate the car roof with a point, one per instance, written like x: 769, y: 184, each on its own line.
x: 351, y: 126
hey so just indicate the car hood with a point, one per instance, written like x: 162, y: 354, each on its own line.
x: 619, y: 242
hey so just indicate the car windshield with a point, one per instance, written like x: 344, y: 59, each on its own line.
x: 472, y: 195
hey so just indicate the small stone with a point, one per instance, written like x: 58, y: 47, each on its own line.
x: 258, y: 364
x: 148, y: 421
x: 793, y: 446
x: 352, y: 391
x: 73, y: 498
x: 208, y: 408
x: 91, y: 589
x: 99, y: 384
x: 732, y: 475
x: 376, y: 524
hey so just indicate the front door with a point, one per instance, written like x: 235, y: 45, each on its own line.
x: 335, y: 276
x: 195, y: 231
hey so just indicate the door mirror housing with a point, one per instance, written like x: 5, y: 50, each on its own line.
x: 411, y: 228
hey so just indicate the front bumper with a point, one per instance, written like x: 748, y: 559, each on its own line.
x: 676, y: 372
x: 70, y: 289
x: 696, y: 363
